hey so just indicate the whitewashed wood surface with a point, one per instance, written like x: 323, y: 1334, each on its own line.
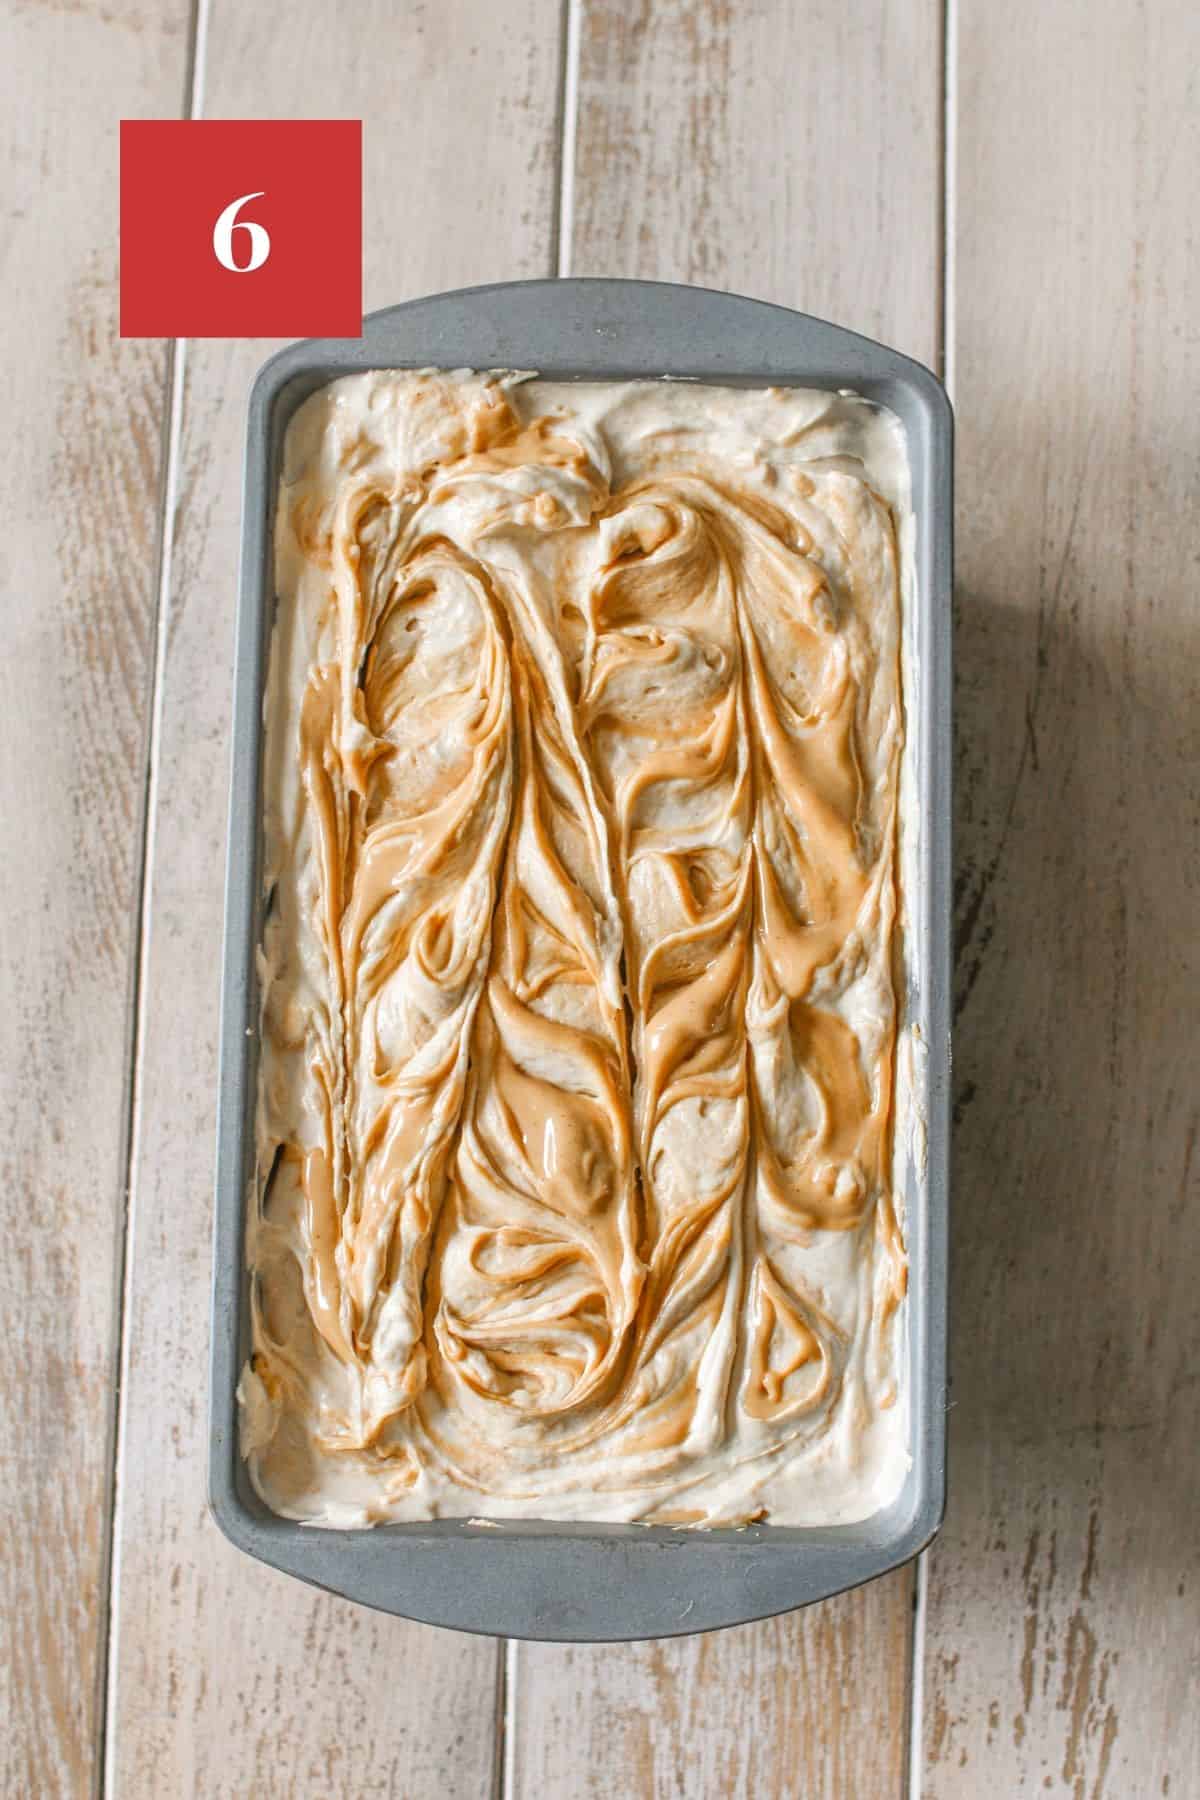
x: 80, y: 469
x: 1016, y: 196
x: 1062, y: 1647
x: 226, y: 1678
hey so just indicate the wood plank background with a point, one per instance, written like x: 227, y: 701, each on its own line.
x: 80, y: 476
x: 1009, y: 192
x: 228, y: 1679
x: 1063, y: 1630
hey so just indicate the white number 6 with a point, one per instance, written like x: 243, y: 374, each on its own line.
x: 227, y: 224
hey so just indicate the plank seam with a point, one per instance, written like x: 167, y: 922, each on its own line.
x: 199, y: 68
x: 104, y: 1779
x: 568, y: 128
x: 947, y: 224
x: 509, y: 1718
x: 949, y: 190
x: 177, y: 369
x: 499, y: 1781
x: 128, y: 1102
x: 916, y: 1680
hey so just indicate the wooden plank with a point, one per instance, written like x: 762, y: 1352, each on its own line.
x: 1063, y: 1635
x: 229, y: 1679
x: 809, y: 1704
x: 790, y: 153
x: 79, y: 485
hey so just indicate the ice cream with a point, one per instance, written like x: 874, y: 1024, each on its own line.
x: 577, y: 1106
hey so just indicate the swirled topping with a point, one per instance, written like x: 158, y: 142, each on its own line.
x: 576, y: 1098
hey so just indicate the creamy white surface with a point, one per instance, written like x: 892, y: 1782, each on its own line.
x: 568, y: 977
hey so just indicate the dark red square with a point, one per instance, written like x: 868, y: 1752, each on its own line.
x: 181, y: 228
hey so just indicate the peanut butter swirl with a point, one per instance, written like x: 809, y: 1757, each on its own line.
x: 577, y: 1085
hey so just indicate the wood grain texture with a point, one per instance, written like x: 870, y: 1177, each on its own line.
x: 79, y: 487
x: 797, y: 1708
x: 788, y: 152
x: 791, y: 153
x: 229, y: 1679
x: 1063, y: 1649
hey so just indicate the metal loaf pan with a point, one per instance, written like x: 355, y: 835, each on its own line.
x: 578, y: 1582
